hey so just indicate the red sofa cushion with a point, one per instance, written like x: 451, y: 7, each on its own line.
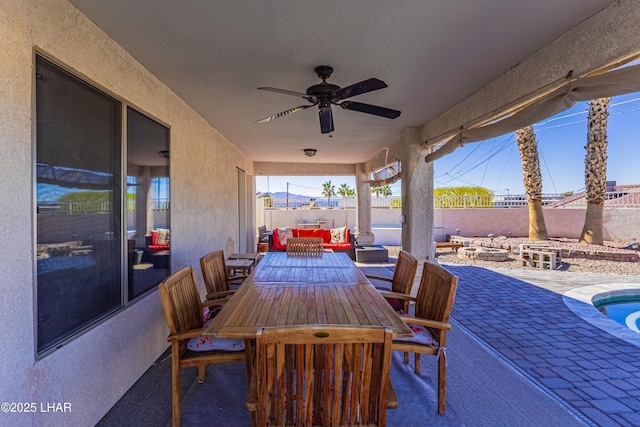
x: 337, y: 246
x: 318, y: 232
x: 154, y: 246
x: 325, y: 233
x: 275, y: 244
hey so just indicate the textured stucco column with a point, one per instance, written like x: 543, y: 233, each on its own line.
x: 363, y: 233
x: 144, y: 204
x: 417, y: 197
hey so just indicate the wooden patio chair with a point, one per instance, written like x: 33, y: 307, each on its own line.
x: 216, y: 276
x: 401, y: 283
x: 322, y: 375
x: 184, y: 312
x: 430, y: 324
x: 304, y: 246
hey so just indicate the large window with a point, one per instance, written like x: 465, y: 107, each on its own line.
x: 82, y: 261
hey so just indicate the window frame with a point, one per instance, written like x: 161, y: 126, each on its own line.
x: 125, y: 302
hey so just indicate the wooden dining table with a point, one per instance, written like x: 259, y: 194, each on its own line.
x: 285, y: 290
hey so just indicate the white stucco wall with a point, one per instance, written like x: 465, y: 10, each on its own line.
x: 93, y: 371
x: 619, y: 224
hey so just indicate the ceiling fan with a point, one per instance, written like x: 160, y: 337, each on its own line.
x: 324, y: 94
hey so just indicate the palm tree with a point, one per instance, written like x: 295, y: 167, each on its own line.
x: 384, y: 191
x: 595, y: 172
x: 528, y: 147
x: 344, y: 190
x: 328, y: 191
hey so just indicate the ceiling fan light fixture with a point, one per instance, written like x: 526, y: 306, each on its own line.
x: 310, y: 152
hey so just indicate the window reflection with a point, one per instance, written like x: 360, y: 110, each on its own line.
x: 148, y: 207
x: 78, y: 185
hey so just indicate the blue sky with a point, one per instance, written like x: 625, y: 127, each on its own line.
x: 495, y: 163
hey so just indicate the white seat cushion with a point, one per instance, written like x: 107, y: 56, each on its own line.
x: 210, y: 344
x: 421, y: 335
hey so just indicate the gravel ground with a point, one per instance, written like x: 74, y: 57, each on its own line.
x: 449, y: 256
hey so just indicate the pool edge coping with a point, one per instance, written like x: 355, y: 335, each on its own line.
x: 579, y: 301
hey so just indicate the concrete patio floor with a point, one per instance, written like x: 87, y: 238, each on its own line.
x: 517, y: 355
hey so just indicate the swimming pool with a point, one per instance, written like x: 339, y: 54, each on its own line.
x: 621, y: 306
x: 581, y: 300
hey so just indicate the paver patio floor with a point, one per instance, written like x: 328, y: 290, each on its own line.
x: 521, y: 315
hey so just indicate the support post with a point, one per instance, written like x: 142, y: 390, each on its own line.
x: 417, y: 197
x: 363, y: 233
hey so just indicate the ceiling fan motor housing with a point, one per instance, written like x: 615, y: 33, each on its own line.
x: 322, y: 90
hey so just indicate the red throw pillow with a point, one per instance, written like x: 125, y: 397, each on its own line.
x: 154, y: 237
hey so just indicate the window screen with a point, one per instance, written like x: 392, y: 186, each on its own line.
x: 78, y: 194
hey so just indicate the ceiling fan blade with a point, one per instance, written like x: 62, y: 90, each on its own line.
x: 284, y: 91
x: 326, y: 120
x: 358, y: 89
x: 370, y: 109
x: 284, y: 113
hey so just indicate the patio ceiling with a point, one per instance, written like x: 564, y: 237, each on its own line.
x: 432, y: 54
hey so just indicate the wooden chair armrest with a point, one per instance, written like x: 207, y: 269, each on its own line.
x: 392, y: 397
x: 220, y: 295
x: 426, y: 322
x: 386, y: 279
x: 213, y: 302
x: 238, y: 277
x: 185, y: 335
x: 396, y: 295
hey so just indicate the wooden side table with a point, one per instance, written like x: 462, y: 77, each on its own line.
x: 255, y: 257
x: 243, y: 266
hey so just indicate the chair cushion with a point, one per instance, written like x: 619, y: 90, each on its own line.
x: 421, y: 335
x: 396, y: 304
x: 337, y: 246
x: 211, y: 312
x: 210, y: 344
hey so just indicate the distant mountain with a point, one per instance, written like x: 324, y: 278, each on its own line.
x: 297, y: 201
x: 283, y: 195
